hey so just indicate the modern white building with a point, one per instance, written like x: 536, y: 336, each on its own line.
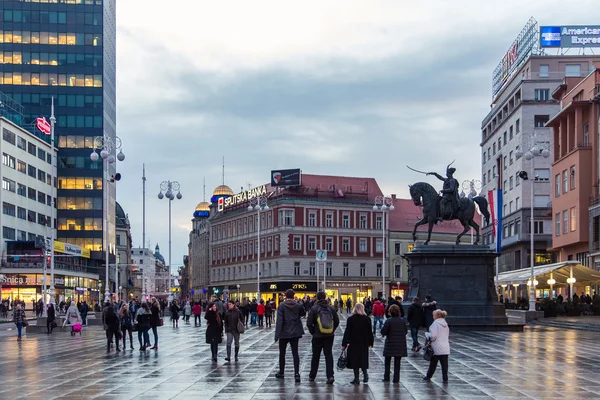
x: 516, y: 121
x: 26, y: 185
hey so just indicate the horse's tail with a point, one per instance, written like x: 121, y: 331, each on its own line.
x: 483, y: 207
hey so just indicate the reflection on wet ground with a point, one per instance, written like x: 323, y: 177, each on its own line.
x: 540, y: 363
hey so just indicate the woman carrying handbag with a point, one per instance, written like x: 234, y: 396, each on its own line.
x: 358, y: 337
x: 214, y: 329
x: 438, y: 335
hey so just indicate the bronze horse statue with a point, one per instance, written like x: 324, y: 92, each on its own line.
x: 423, y: 194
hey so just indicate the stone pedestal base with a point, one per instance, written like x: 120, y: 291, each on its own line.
x: 461, y: 280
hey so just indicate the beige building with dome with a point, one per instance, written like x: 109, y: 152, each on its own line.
x: 199, y: 244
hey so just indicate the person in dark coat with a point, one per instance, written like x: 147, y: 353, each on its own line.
x: 358, y: 337
x: 394, y: 331
x: 214, y: 329
x: 288, y: 329
x: 50, y: 320
x: 429, y: 307
x: 416, y: 319
x: 113, y: 327
x: 397, y: 301
x: 175, y: 314
x: 232, y: 316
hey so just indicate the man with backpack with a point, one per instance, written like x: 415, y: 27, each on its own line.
x: 322, y: 321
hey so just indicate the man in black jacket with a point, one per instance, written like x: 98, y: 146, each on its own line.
x: 288, y: 329
x: 416, y: 319
x: 316, y: 324
x: 397, y: 301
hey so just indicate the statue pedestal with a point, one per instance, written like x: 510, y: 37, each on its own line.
x: 461, y: 280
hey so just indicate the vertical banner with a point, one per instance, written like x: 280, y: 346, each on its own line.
x: 495, y: 200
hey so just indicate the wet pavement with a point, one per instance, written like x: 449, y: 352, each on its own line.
x: 540, y: 363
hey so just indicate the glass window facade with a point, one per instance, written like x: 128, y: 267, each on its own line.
x: 65, y: 49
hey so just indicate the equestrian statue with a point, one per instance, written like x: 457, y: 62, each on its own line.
x: 447, y: 205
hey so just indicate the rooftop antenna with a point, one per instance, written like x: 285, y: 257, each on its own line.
x: 143, y: 204
x: 204, y: 190
x: 223, y: 176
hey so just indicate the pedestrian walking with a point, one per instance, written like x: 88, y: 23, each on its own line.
x: 288, y: 329
x: 416, y: 319
x: 260, y: 311
x: 113, y: 327
x: 358, y: 338
x: 348, y: 305
x: 253, y: 312
x: 50, y: 320
x: 19, y: 319
x: 322, y: 321
x: 187, y: 312
x: 439, y: 335
x: 126, y: 325
x: 197, y: 311
x: 268, y: 314
x: 246, y: 311
x: 233, y: 316
x: 155, y: 321
x: 175, y: 314
x: 72, y: 317
x: 378, y: 313
x: 214, y: 329
x: 142, y: 318
x: 394, y: 330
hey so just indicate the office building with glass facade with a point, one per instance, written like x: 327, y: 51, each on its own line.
x: 66, y: 50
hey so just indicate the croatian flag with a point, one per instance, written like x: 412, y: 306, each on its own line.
x: 495, y: 200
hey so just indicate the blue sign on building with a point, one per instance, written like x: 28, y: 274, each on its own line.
x: 550, y: 36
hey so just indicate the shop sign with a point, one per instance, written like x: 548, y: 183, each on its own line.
x: 29, y: 281
x: 245, y: 196
x: 283, y: 286
x: 520, y: 49
x: 570, y: 36
x: 71, y: 249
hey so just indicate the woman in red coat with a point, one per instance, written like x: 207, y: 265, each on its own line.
x: 261, y: 313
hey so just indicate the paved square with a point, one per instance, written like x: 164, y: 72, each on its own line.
x: 540, y: 363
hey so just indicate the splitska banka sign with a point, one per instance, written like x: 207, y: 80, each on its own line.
x: 244, y: 196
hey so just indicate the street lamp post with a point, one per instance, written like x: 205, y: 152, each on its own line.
x: 472, y: 186
x: 385, y: 205
x: 534, y: 151
x: 119, y: 295
x: 169, y: 187
x: 106, y: 145
x: 258, y: 204
x: 238, y: 288
x: 53, y: 228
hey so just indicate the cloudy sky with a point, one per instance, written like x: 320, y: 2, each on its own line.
x: 357, y: 88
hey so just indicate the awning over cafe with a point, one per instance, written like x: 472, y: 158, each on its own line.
x: 560, y: 272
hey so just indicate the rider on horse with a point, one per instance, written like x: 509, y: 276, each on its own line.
x: 450, y: 202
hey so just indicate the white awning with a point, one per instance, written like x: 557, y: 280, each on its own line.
x: 560, y: 272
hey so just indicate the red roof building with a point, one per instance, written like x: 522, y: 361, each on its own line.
x: 331, y: 213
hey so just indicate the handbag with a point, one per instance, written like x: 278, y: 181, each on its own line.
x: 25, y: 324
x: 134, y: 328
x: 241, y: 328
x: 427, y: 351
x: 161, y: 322
x: 342, y: 360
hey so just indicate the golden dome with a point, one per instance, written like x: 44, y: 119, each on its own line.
x: 204, y: 206
x: 223, y: 190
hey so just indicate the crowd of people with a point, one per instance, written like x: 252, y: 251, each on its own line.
x: 227, y: 320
